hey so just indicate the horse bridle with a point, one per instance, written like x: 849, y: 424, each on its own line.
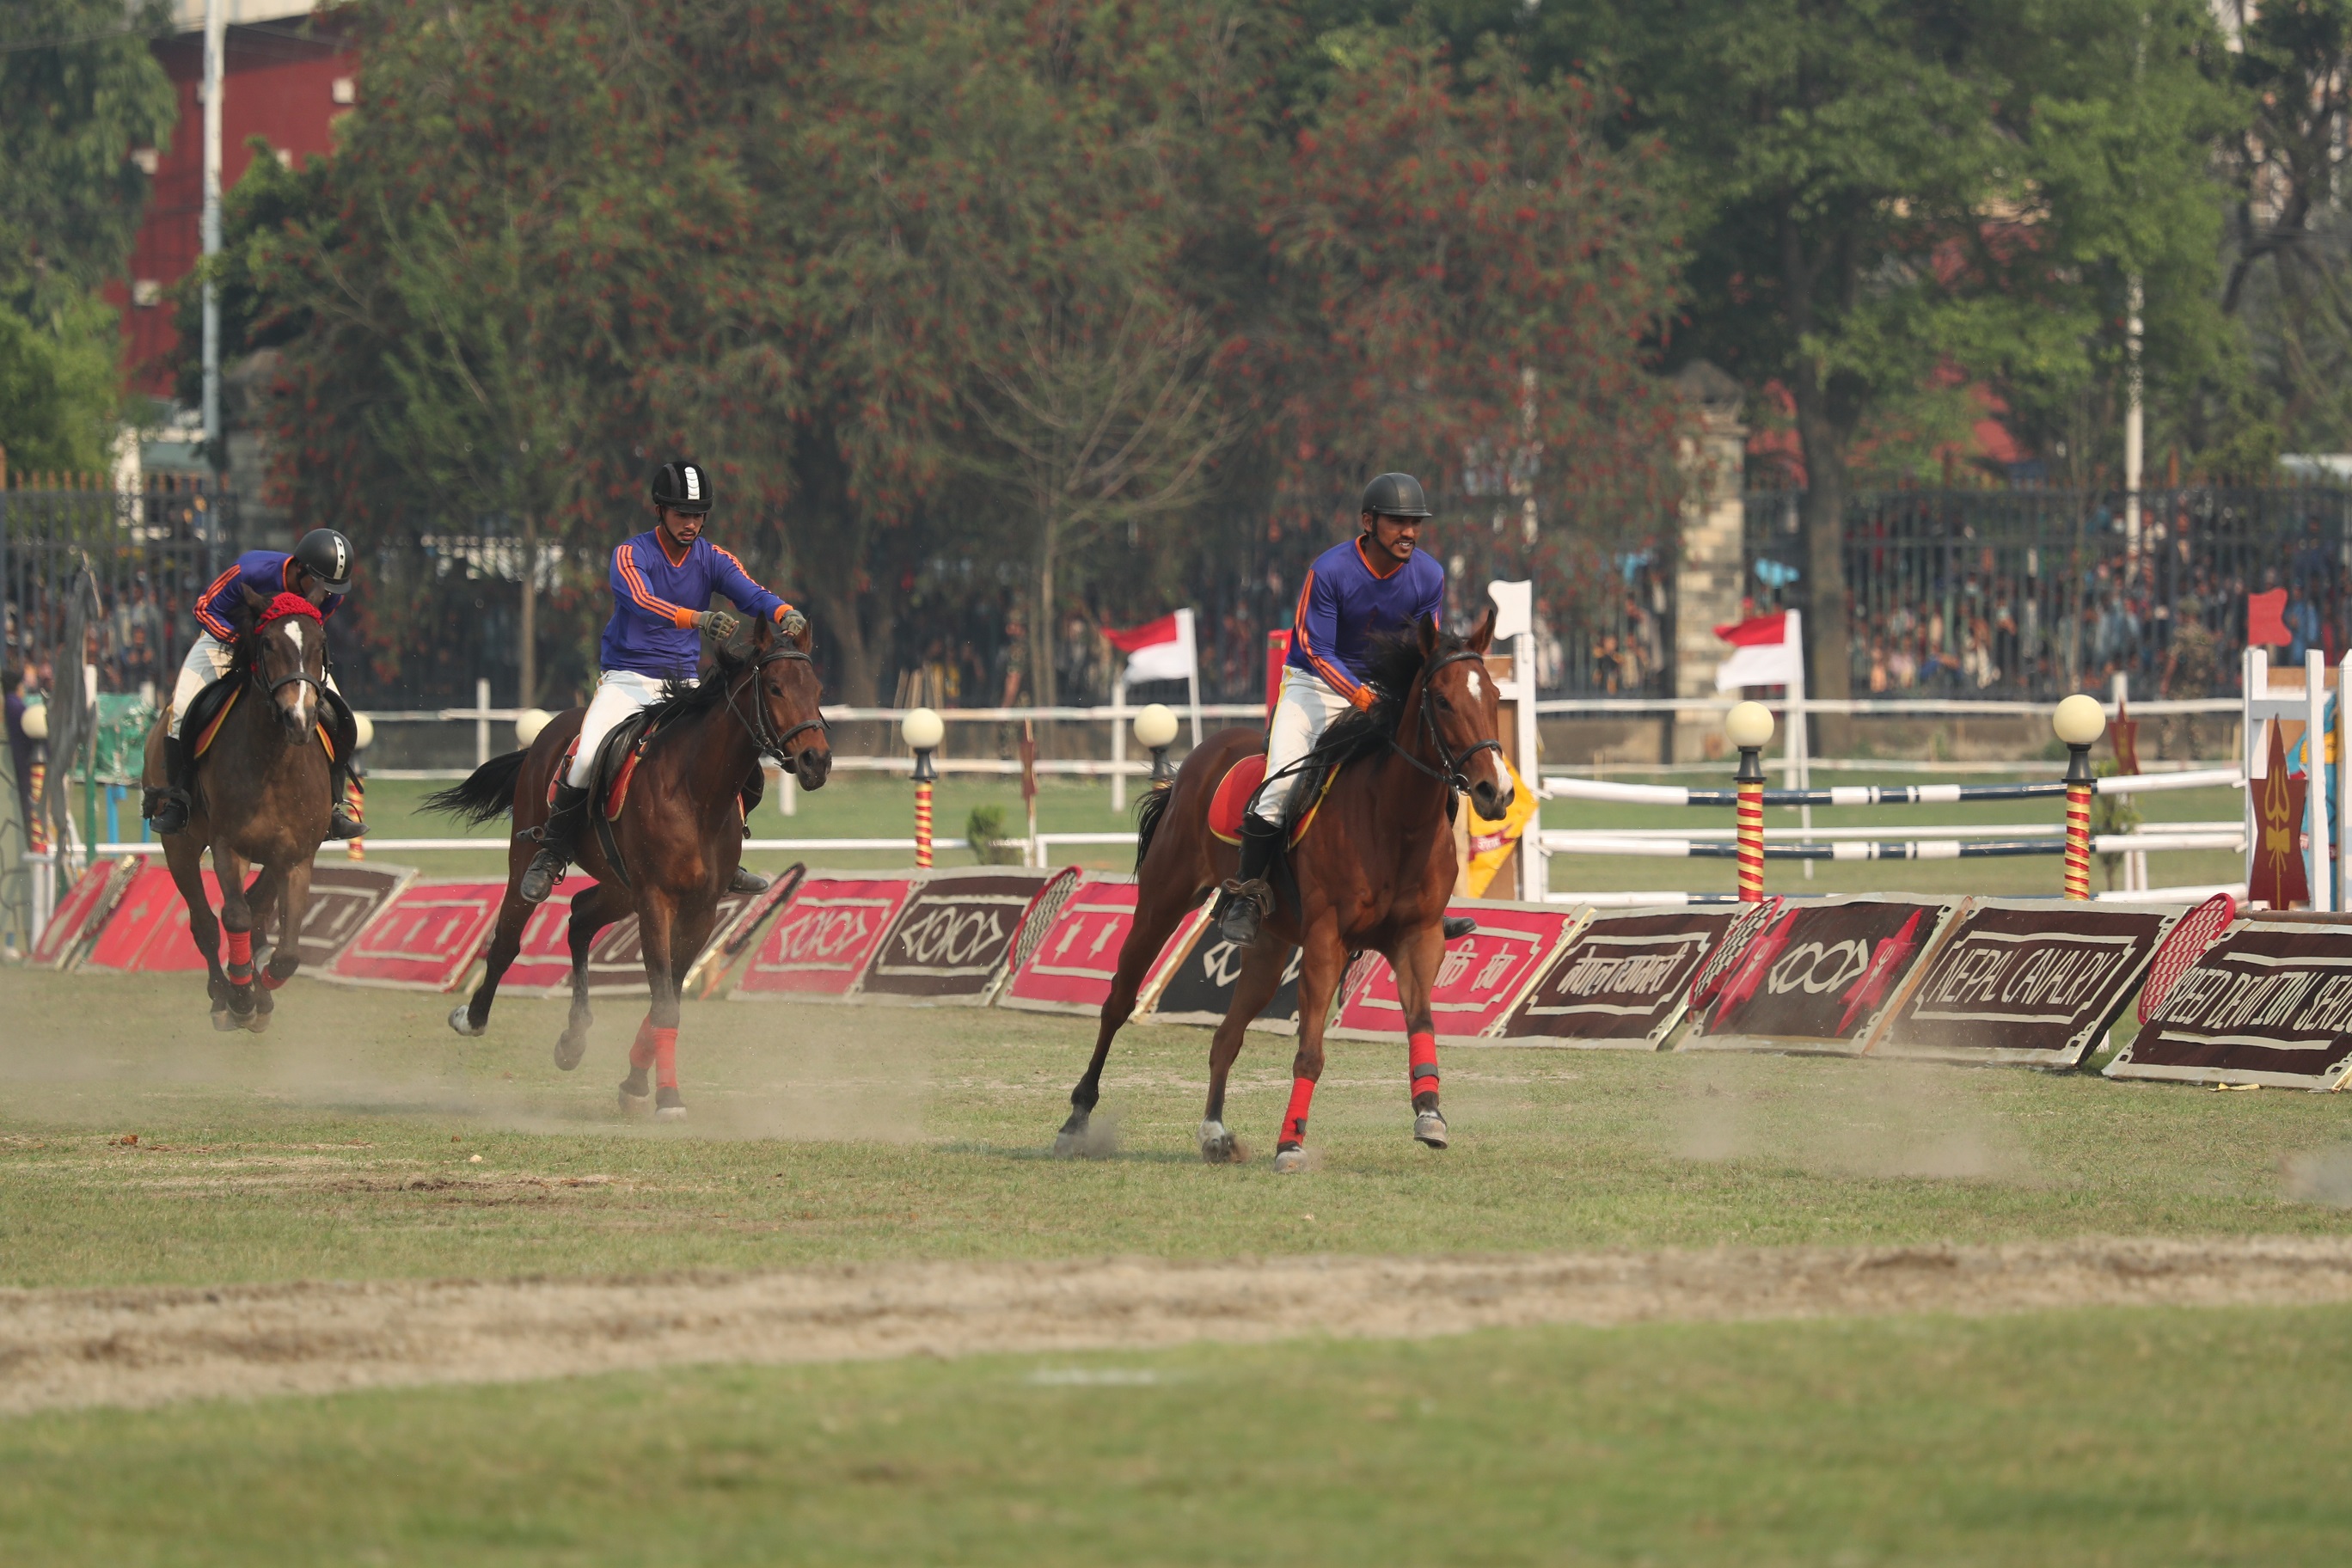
x: 763, y: 732
x: 254, y: 673
x: 1454, y: 774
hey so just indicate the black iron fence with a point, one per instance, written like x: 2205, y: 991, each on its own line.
x: 2036, y: 593
x: 151, y: 552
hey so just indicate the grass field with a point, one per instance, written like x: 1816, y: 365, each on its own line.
x: 361, y: 1140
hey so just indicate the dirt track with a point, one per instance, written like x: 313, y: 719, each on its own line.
x: 139, y: 1347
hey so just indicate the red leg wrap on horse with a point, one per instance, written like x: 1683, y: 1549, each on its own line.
x: 240, y: 956
x: 665, y: 1058
x: 641, y: 1049
x: 1423, y: 1054
x: 270, y: 980
x: 1294, y: 1120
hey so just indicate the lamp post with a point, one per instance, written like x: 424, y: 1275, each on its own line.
x: 923, y: 731
x: 1750, y: 728
x: 362, y: 737
x: 1155, y: 730
x: 36, y: 730
x: 2078, y: 722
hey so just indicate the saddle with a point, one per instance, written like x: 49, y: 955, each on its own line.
x: 615, y: 767
x: 1241, y: 782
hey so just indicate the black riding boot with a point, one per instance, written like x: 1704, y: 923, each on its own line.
x: 1249, y: 897
x: 746, y: 879
x: 344, y: 824
x: 563, y: 822
x: 167, y: 809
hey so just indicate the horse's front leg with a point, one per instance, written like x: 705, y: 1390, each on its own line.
x: 592, y: 911
x: 655, y: 1050
x: 1261, y: 977
x: 1323, y: 959
x: 184, y: 854
x: 471, y: 1016
x: 1158, y: 913
x: 236, y: 928
x: 274, y: 962
x: 1415, y: 960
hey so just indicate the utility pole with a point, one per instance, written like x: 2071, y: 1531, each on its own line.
x: 215, y: 48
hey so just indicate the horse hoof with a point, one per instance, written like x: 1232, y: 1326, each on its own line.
x: 1429, y: 1127
x: 1289, y: 1160
x: 223, y: 1022
x: 668, y: 1106
x: 461, y: 1020
x: 569, y: 1047
x: 637, y: 1095
x: 1219, y: 1147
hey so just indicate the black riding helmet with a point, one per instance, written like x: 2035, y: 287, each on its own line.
x: 327, y: 556
x: 682, y: 486
x: 1395, y: 495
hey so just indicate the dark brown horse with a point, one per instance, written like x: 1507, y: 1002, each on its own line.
x: 1373, y: 875
x: 680, y: 836
x: 264, y: 796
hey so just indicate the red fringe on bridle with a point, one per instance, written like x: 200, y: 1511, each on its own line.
x: 286, y: 604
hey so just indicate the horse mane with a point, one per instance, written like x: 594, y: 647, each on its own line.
x: 680, y: 699
x: 1392, y: 663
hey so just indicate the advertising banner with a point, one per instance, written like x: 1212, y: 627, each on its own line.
x: 1621, y: 982
x: 83, y: 913
x: 2035, y: 982
x: 1479, y: 978
x: 824, y: 938
x: 422, y: 938
x: 2271, y: 1003
x: 1073, y: 967
x: 1818, y: 977
x: 952, y: 943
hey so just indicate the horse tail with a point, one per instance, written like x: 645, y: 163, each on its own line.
x: 1148, y: 812
x: 486, y: 792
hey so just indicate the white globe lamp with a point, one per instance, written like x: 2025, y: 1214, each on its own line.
x: 36, y: 722
x: 1155, y: 730
x: 529, y: 722
x: 1749, y: 726
x: 2079, y: 722
x: 362, y: 732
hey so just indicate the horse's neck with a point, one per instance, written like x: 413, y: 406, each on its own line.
x: 1405, y: 794
x: 720, y: 740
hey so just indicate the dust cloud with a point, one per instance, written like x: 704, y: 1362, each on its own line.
x: 1855, y: 1118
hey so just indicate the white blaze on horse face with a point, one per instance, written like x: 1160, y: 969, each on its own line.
x: 303, y: 690
x: 1478, y: 688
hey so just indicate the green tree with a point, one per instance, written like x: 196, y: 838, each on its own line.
x: 79, y: 89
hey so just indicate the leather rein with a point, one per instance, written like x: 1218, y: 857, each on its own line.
x: 764, y: 736
x: 269, y: 688
x: 1453, y: 774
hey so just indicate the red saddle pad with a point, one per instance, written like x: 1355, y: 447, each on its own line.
x: 1233, y: 796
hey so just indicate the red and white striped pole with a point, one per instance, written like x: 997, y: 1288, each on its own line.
x: 2079, y: 722
x: 1750, y: 728
x: 923, y: 732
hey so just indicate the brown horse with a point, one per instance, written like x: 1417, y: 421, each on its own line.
x: 264, y: 796
x: 680, y: 836
x: 1373, y: 875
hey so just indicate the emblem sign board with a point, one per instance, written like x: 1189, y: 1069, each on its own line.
x: 2269, y: 1003
x: 83, y: 913
x: 1074, y: 966
x: 825, y: 937
x: 2025, y: 981
x: 952, y: 942
x: 738, y: 924
x: 616, y: 955
x: 1622, y: 983
x: 342, y: 898
x: 1479, y: 978
x: 1197, y: 987
x: 422, y: 938
x: 1818, y: 978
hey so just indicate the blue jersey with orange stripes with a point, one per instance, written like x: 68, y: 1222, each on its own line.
x: 1346, y: 602
x: 655, y: 597
x: 267, y: 573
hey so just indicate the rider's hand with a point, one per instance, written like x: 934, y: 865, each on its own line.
x: 719, y: 624
x: 1367, y: 697
x: 792, y: 624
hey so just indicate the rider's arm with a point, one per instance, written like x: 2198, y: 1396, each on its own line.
x: 629, y: 588
x: 1316, y: 631
x: 748, y: 595
x: 206, y: 617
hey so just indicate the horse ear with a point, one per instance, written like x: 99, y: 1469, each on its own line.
x: 1482, y: 635
x: 1429, y: 637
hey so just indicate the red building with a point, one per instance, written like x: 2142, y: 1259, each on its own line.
x: 287, y: 75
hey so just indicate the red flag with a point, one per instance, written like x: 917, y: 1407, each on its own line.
x: 2266, y: 618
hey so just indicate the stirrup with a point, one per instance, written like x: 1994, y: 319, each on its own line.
x: 746, y: 880
x: 168, y: 810
x: 343, y: 826
x: 1246, y: 905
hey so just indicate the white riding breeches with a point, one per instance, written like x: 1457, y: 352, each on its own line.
x: 619, y: 693
x: 207, y: 662
x: 1301, y: 714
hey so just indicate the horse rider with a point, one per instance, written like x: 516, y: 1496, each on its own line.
x: 319, y: 570
x: 1378, y: 584
x: 660, y: 580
